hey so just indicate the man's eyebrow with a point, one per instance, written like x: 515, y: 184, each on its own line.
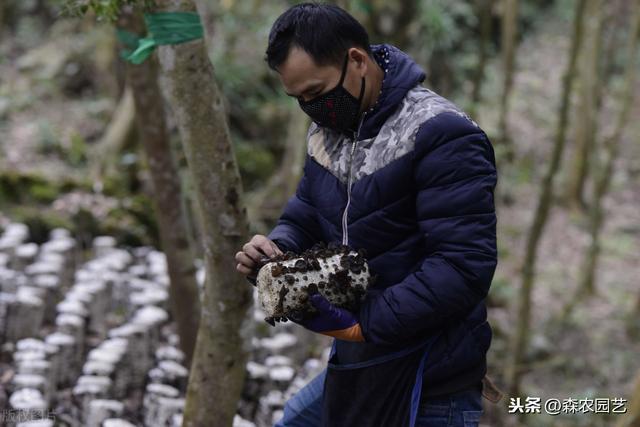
x: 311, y: 87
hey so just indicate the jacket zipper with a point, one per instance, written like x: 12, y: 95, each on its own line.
x: 345, y: 230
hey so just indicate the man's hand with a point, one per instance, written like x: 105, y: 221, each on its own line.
x: 331, y: 320
x: 253, y: 254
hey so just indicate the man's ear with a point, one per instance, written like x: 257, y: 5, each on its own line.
x: 360, y: 56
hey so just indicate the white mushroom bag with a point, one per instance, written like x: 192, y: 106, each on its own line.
x: 337, y: 272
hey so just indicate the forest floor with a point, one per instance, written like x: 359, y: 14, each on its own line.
x: 590, y: 355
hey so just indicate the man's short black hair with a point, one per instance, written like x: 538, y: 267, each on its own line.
x: 324, y: 31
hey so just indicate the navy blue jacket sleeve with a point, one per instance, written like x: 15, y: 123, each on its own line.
x: 297, y: 228
x: 454, y: 175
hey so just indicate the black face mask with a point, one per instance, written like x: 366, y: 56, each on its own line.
x: 336, y: 109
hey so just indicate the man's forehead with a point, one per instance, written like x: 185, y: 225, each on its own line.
x: 299, y: 72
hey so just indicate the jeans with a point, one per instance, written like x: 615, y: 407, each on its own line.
x: 460, y: 409
x: 304, y: 408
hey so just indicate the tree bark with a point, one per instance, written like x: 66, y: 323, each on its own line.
x: 611, y: 148
x: 226, y: 325
x: 402, y: 36
x: 117, y: 136
x: 484, y: 10
x: 167, y: 192
x: 632, y: 417
x: 3, y: 7
x: 390, y: 21
x: 587, y: 120
x: 520, y: 337
x: 509, y: 40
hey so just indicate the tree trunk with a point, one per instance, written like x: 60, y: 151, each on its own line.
x: 520, y: 337
x: 3, y: 7
x: 484, y: 10
x: 402, y: 35
x: 167, y: 192
x: 632, y: 417
x: 117, y: 136
x: 226, y: 325
x: 389, y: 21
x: 614, y: 23
x: 590, y: 87
x: 611, y: 147
x: 509, y: 39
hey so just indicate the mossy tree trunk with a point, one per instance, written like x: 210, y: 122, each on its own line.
x: 167, y: 192
x: 224, y: 337
x: 520, y: 336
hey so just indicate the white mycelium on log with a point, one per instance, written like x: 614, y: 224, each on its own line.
x: 138, y: 359
x: 24, y: 255
x: 117, y: 422
x: 174, y: 374
x: 74, y: 326
x: 50, y: 283
x: 32, y: 381
x: 267, y: 405
x: 176, y: 420
x: 337, y: 272
x: 37, y: 423
x: 102, y: 245
x: 36, y: 367
x: 71, y: 369
x: 89, y: 388
x: 150, y: 401
x: 167, y: 408
x: 238, y: 421
x: 151, y: 319
x: 65, y: 358
x: 96, y: 295
x: 24, y: 314
x: 169, y: 352
x: 103, y: 409
x: 14, y: 235
x: 107, y: 360
x: 26, y: 402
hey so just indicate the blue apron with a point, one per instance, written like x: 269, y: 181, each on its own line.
x: 383, y: 390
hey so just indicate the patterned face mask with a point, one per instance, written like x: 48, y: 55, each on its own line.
x: 336, y: 109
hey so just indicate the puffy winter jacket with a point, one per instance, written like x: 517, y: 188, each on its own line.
x: 415, y: 189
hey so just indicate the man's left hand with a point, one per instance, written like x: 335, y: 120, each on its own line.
x: 332, y: 321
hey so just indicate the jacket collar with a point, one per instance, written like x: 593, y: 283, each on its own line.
x: 401, y: 73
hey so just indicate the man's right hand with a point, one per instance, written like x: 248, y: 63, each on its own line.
x: 252, y: 253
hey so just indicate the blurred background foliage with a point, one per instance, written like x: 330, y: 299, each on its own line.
x: 60, y: 59
x: 71, y: 66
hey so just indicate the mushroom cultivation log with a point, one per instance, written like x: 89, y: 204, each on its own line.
x: 336, y: 271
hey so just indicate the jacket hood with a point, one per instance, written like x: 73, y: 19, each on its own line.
x: 402, y: 74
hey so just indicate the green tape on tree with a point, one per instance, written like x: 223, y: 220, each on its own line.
x: 129, y: 40
x: 164, y: 28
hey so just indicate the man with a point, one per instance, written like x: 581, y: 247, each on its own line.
x: 402, y: 172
